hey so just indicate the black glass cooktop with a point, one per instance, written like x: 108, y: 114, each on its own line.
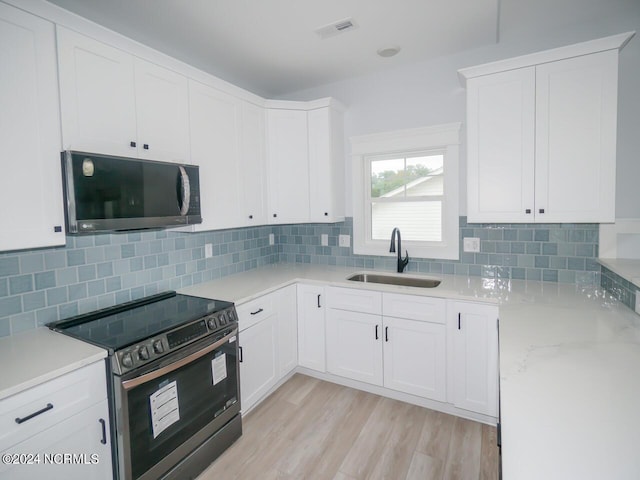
x: 123, y: 325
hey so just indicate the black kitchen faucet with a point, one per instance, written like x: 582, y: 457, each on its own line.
x: 402, y: 262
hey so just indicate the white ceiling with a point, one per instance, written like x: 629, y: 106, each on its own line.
x: 269, y: 47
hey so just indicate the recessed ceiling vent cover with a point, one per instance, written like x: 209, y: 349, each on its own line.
x: 335, y: 28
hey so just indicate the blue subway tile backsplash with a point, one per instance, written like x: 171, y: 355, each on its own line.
x: 97, y: 271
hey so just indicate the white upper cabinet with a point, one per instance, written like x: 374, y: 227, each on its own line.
x: 97, y: 95
x: 162, y: 106
x: 115, y: 103
x: 253, y: 186
x: 500, y: 139
x: 541, y: 135
x: 288, y: 166
x: 215, y: 138
x: 576, y: 116
x: 305, y: 158
x: 29, y: 133
x: 326, y: 164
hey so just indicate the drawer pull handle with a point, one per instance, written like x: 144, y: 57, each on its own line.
x: 257, y: 311
x: 241, y: 354
x: 104, y: 431
x: 34, y: 414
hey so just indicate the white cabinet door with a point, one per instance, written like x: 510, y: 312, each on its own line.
x: 287, y: 329
x: 500, y: 146
x: 252, y: 166
x: 258, y: 361
x: 311, y: 327
x: 81, y: 435
x: 215, y: 137
x: 473, y: 329
x: 97, y: 96
x: 162, y: 106
x: 576, y: 105
x: 415, y: 357
x: 30, y: 187
x: 354, y: 345
x: 288, y: 166
x: 326, y: 165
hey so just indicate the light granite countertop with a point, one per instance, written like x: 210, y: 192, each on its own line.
x: 35, y: 356
x: 569, y: 363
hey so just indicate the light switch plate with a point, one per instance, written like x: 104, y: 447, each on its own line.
x: 344, y: 240
x: 272, y: 239
x: 471, y: 244
x: 324, y: 240
x: 208, y: 250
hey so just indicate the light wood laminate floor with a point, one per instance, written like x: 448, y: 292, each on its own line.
x: 310, y: 429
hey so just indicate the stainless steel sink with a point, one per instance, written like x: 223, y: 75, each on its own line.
x: 394, y: 280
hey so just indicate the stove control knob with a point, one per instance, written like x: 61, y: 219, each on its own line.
x: 158, y: 347
x: 211, y: 321
x: 232, y: 315
x: 143, y: 353
x: 223, y: 318
x: 127, y: 360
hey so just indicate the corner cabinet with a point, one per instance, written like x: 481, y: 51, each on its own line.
x: 31, y: 187
x: 118, y: 104
x: 473, y: 356
x: 305, y: 158
x: 541, y: 135
x: 311, y: 327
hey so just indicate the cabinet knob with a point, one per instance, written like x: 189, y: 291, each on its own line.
x: 133, y: 144
x: 145, y: 146
x: 541, y: 210
x: 250, y: 216
x: 57, y: 228
x: 275, y: 215
x: 527, y: 211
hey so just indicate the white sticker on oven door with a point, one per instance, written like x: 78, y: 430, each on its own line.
x: 219, y: 368
x: 165, y: 410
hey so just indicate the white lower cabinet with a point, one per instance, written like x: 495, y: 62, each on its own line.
x: 71, y: 418
x: 268, y: 343
x: 473, y: 338
x: 404, y: 354
x: 287, y: 329
x: 415, y: 358
x: 354, y: 348
x: 259, y: 361
x: 311, y: 327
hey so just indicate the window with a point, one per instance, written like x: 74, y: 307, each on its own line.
x: 409, y: 180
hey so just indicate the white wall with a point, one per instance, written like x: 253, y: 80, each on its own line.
x: 429, y: 93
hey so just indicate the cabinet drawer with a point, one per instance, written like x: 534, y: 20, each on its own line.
x: 365, y: 301
x: 414, y: 307
x: 67, y: 395
x: 255, y: 311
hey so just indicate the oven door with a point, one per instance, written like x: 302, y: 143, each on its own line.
x: 170, y: 407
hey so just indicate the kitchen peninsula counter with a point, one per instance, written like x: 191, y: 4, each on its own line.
x: 569, y: 363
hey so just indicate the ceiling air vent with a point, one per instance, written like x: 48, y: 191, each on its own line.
x: 335, y: 28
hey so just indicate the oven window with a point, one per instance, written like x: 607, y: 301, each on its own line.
x: 204, y: 388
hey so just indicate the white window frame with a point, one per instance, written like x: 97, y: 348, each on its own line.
x: 443, y: 139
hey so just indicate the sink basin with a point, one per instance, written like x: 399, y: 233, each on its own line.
x: 394, y: 280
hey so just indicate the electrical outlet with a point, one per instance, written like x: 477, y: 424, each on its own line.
x: 344, y: 240
x: 272, y: 239
x: 208, y: 250
x: 324, y: 240
x: 471, y: 244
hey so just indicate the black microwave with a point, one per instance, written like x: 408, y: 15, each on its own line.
x: 104, y: 193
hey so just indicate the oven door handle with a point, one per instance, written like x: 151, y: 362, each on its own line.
x: 147, y: 377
